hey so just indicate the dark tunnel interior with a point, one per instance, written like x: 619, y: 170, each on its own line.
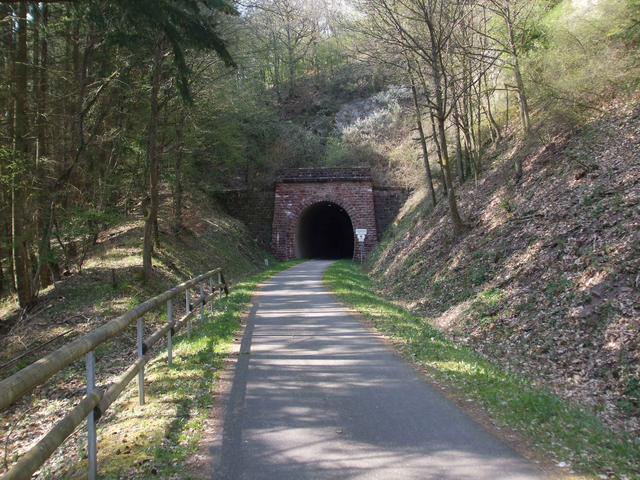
x: 324, y: 231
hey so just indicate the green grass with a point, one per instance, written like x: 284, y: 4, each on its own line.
x: 557, y: 430
x: 487, y: 305
x: 158, y: 438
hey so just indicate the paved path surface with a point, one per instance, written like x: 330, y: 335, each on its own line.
x: 320, y: 397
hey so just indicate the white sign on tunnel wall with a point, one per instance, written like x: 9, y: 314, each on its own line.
x: 361, y: 233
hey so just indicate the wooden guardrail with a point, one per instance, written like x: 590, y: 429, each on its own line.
x: 97, y: 401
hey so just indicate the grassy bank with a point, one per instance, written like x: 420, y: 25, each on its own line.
x: 158, y: 438
x: 546, y: 276
x: 549, y: 426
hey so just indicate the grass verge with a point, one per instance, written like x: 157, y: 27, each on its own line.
x: 553, y: 427
x: 156, y: 440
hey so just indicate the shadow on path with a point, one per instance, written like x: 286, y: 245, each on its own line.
x: 316, y: 395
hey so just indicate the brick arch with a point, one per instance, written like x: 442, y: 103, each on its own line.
x: 345, y: 204
x: 353, y: 195
x: 309, y: 202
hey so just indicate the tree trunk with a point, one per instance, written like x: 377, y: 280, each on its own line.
x: 441, y: 118
x: 42, y: 261
x: 18, y: 197
x: 494, y: 125
x: 315, y: 64
x: 292, y: 69
x: 458, y: 145
x: 8, y: 49
x: 77, y: 86
x: 423, y: 142
x: 41, y: 83
x: 472, y: 135
x: 276, y: 69
x: 6, y: 232
x: 467, y: 147
x: 12, y: 276
x: 292, y: 76
x: 464, y: 126
x: 453, y: 204
x: 165, y: 123
x: 479, y: 139
x: 437, y: 143
x: 518, y: 168
x: 522, y: 97
x: 152, y: 160
x: 506, y: 126
x: 177, y: 189
x: 20, y: 250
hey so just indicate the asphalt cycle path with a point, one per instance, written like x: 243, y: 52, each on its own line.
x: 316, y: 395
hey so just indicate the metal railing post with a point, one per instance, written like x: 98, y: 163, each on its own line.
x: 219, y: 288
x: 91, y: 419
x: 188, y: 303
x: 97, y: 399
x: 169, y: 345
x: 141, y: 372
x: 211, y: 288
x: 202, y: 304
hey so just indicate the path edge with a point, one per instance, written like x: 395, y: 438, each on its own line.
x: 200, y: 467
x: 453, y: 395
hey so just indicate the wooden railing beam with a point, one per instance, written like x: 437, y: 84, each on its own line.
x: 34, y: 458
x: 97, y: 400
x: 21, y: 382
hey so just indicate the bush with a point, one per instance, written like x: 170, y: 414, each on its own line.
x: 584, y: 60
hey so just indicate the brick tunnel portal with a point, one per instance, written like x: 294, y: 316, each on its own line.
x: 325, y: 231
x: 288, y: 219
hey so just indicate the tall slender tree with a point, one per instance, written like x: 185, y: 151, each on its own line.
x: 184, y: 24
x: 20, y: 158
x: 426, y: 29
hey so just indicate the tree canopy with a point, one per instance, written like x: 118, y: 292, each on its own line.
x: 107, y: 104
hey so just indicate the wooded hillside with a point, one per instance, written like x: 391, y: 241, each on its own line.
x: 545, y: 282
x: 515, y: 123
x: 105, y: 103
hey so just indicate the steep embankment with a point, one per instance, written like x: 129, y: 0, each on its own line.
x: 155, y: 438
x: 546, y: 278
x: 209, y: 238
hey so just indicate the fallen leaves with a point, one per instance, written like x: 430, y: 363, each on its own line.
x: 564, y: 267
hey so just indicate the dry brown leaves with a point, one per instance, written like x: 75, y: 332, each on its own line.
x: 560, y: 252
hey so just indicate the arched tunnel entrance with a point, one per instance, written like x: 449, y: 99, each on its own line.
x: 324, y: 230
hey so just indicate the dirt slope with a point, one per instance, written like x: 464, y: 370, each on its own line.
x: 546, y: 278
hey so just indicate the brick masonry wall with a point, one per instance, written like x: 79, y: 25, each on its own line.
x: 324, y: 174
x: 292, y: 198
x: 254, y: 208
x: 388, y: 201
x: 307, y: 186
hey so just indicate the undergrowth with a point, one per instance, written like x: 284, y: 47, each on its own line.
x: 555, y: 428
